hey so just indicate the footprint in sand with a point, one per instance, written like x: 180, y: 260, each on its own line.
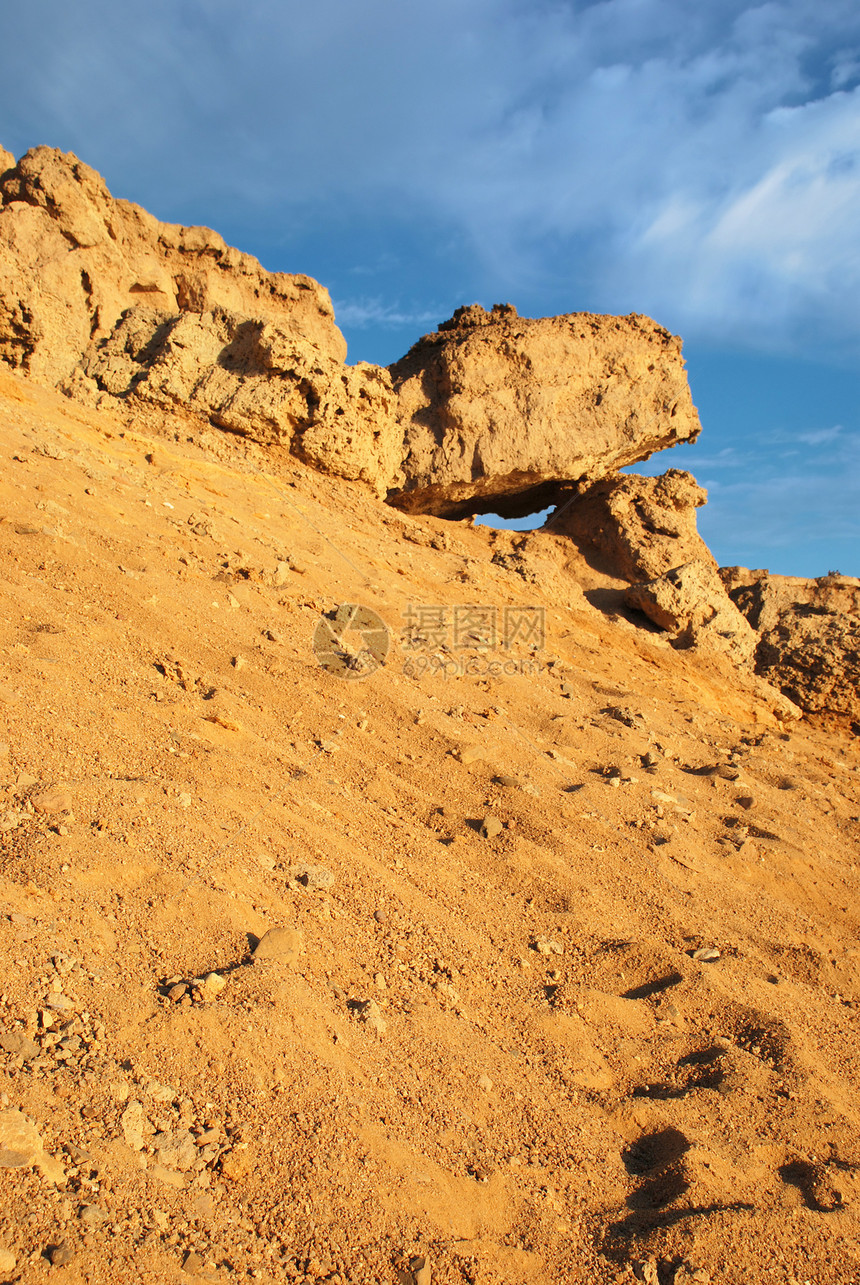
x: 658, y: 1159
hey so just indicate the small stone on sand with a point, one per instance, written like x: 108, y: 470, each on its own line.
x: 284, y: 944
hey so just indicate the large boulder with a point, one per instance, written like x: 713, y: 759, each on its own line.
x: 691, y: 603
x: 636, y: 528
x: 7, y: 161
x: 810, y: 636
x: 498, y: 410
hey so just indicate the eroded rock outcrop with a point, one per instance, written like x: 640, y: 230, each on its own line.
x: 643, y: 530
x: 255, y: 378
x: 691, y: 603
x: 636, y: 528
x: 809, y: 636
x: 98, y: 298
x: 497, y: 409
x: 74, y: 259
x: 801, y: 636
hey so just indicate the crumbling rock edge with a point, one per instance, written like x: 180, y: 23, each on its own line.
x: 808, y: 636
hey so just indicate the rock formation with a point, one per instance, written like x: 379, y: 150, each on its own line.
x: 75, y: 259
x: 100, y: 299
x: 491, y: 412
x: 498, y: 410
x: 643, y: 530
x: 635, y: 527
x: 97, y: 296
x: 809, y: 636
x: 255, y: 378
x: 691, y: 602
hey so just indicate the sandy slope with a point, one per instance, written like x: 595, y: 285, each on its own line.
x: 561, y: 1091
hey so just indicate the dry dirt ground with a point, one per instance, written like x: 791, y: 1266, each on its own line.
x: 494, y: 1035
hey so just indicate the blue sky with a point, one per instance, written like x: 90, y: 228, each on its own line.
x: 696, y: 162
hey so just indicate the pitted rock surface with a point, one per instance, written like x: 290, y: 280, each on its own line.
x: 499, y: 410
x: 690, y: 602
x: 74, y: 259
x: 809, y: 636
x: 636, y: 528
x: 99, y: 298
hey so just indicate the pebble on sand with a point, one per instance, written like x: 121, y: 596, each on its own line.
x: 60, y: 1003
x: 193, y: 1264
x: 284, y: 944
x: 169, y: 1177
x: 417, y: 1273
x: 491, y: 827
x: 61, y: 1255
x: 419, y: 1266
x: 546, y: 946
x: 213, y: 983
x: 310, y: 876
x: 706, y: 954
x: 52, y: 801
x: 21, y: 1146
x: 368, y: 1011
x: 19, y: 1045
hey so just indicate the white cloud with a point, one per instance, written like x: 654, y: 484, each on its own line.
x: 811, y: 503
x: 784, y: 508
x: 820, y: 436
x: 376, y: 312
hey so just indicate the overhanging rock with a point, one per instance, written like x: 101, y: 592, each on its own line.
x: 499, y: 411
